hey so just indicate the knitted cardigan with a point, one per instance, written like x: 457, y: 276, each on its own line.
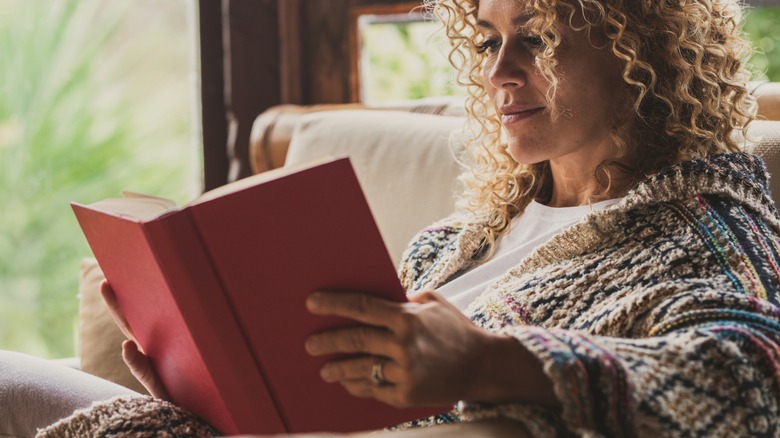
x: 658, y: 315
x: 655, y: 317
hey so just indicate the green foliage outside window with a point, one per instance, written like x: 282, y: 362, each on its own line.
x: 95, y: 98
x: 763, y: 27
x: 405, y: 61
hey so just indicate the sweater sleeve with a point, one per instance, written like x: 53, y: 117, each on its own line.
x: 426, y: 249
x: 705, y: 363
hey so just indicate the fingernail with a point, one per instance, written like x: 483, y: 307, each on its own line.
x: 313, y: 301
x: 311, y: 345
x: 325, y: 374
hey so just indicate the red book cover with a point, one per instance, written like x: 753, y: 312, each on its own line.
x: 215, y: 293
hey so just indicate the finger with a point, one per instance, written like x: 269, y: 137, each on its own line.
x: 358, y: 368
x: 141, y: 368
x: 360, y: 307
x: 113, y: 306
x: 360, y: 387
x: 363, y: 339
x: 348, y: 369
x: 387, y: 393
x: 427, y: 296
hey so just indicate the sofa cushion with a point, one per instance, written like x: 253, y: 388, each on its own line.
x: 768, y: 99
x: 405, y: 162
x: 100, y: 340
x: 765, y: 136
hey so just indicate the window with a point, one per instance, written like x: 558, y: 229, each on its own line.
x: 402, y: 54
x: 761, y: 25
x: 97, y: 96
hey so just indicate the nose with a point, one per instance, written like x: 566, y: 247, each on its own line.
x: 509, y: 68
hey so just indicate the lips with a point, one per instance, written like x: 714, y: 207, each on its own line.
x: 516, y: 113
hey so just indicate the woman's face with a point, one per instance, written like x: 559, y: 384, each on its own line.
x: 589, y: 97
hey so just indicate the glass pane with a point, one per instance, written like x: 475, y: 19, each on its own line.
x: 97, y: 96
x: 762, y: 24
x: 403, y: 58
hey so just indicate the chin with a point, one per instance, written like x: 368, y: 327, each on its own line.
x: 525, y: 156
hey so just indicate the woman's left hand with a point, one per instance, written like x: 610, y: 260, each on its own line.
x: 432, y: 354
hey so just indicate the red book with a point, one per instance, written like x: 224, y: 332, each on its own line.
x: 214, y: 293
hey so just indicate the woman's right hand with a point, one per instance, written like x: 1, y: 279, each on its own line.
x: 139, y: 364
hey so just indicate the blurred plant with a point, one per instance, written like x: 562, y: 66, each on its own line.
x: 405, y: 60
x: 762, y: 24
x: 91, y: 102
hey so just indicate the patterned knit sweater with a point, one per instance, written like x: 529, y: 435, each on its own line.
x: 655, y: 317
x: 658, y: 315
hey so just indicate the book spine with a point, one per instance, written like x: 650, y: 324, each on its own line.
x: 211, y: 321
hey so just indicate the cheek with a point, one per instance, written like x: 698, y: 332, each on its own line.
x: 598, y: 95
x: 492, y: 94
x: 607, y: 82
x: 491, y: 91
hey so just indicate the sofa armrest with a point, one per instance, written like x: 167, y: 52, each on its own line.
x: 272, y: 130
x: 768, y: 99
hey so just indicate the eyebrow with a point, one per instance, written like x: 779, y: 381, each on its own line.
x: 518, y: 21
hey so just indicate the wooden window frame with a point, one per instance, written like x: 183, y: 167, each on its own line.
x: 356, y: 43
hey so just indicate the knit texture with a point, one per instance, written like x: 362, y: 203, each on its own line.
x: 657, y: 315
x: 139, y: 416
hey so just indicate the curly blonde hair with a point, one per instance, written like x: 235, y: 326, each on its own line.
x: 682, y: 63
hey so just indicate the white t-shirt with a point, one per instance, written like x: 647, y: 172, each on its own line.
x: 535, y: 226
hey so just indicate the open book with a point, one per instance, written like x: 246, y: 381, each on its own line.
x: 215, y: 293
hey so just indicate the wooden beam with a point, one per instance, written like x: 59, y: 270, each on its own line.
x: 252, y: 80
x: 213, y: 111
x: 291, y: 51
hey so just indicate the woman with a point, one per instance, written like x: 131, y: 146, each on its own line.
x: 616, y: 256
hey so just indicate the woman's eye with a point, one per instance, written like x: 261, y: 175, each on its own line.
x: 533, y: 41
x: 488, y: 45
x: 492, y: 45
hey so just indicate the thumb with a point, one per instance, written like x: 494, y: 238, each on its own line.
x: 426, y: 296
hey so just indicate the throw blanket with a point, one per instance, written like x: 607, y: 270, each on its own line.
x: 142, y: 417
x: 656, y: 316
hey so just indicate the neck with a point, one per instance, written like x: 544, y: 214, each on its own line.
x: 577, y: 184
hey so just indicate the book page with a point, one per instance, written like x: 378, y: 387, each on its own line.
x: 147, y: 207
x: 137, y: 206
x: 256, y: 179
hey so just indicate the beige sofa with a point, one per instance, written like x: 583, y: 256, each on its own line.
x: 406, y: 160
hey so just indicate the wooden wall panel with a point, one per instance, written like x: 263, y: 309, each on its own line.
x: 324, y: 35
x: 291, y: 56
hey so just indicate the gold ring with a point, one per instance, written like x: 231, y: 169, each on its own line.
x: 377, y: 376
